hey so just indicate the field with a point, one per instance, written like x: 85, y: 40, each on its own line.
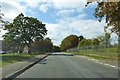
x: 9, y: 58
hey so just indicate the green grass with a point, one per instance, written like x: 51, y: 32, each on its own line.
x: 113, y: 54
x: 10, y: 58
x: 93, y: 56
x: 100, y: 52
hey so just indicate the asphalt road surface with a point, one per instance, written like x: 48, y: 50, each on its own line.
x: 61, y: 65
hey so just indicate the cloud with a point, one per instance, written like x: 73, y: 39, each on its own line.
x: 67, y: 4
x: 56, y: 4
x: 11, y: 9
x: 44, y: 7
x: 87, y: 28
x: 65, y: 12
x: 57, y: 32
x: 31, y: 3
x: 70, y: 19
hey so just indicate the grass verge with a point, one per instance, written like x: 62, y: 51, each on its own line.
x: 10, y: 58
x: 96, y: 57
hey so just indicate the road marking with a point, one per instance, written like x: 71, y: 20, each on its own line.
x: 97, y: 61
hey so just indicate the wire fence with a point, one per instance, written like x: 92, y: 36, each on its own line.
x: 100, y: 50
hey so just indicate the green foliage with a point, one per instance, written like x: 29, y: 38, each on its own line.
x: 85, y: 42
x: 101, y: 38
x: 95, y: 41
x: 111, y: 12
x: 81, y: 38
x: 104, y: 39
x: 69, y: 42
x: 107, y: 37
x: 42, y: 45
x: 24, y: 30
x: 56, y: 48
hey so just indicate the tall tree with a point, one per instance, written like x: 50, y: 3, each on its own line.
x: 42, y: 45
x: 69, y: 42
x: 111, y: 12
x: 24, y: 30
x: 48, y: 45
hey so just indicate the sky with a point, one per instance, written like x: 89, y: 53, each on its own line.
x: 62, y: 17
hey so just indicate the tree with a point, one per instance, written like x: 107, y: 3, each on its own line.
x: 81, y: 38
x: 48, y: 45
x: 1, y: 21
x: 95, y: 41
x: 69, y: 42
x: 42, y: 45
x: 104, y: 38
x: 107, y: 39
x: 85, y: 42
x: 111, y: 12
x: 101, y: 38
x: 24, y: 30
x: 56, y: 48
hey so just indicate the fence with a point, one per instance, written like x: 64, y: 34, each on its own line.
x: 103, y: 50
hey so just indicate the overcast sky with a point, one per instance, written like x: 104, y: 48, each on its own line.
x: 62, y: 17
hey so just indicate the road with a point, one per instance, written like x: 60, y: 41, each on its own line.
x: 61, y: 65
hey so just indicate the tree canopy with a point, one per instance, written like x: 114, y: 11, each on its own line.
x: 42, y: 45
x: 95, y: 41
x: 69, y: 42
x: 81, y: 38
x: 56, y: 48
x: 111, y: 12
x: 85, y: 42
x: 24, y: 30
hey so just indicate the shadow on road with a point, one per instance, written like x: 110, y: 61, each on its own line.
x: 43, y: 61
x: 61, y: 54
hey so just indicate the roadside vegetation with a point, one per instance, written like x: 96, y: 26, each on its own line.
x: 101, y: 45
x: 25, y: 34
x: 95, y: 56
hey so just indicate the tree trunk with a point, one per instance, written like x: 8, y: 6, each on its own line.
x: 119, y: 51
x: 119, y: 41
x: 29, y: 48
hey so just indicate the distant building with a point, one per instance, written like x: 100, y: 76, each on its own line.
x: 26, y: 49
x: 6, y: 47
